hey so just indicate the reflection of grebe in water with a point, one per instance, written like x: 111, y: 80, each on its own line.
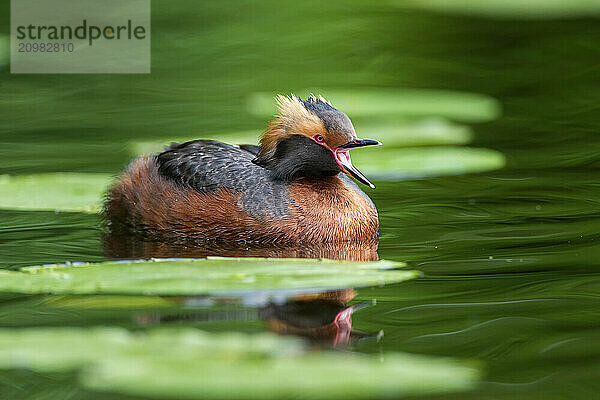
x: 324, y: 318
x: 134, y: 246
x: 292, y: 189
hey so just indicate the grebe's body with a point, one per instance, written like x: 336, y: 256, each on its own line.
x: 292, y: 188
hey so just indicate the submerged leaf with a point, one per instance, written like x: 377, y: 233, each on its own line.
x: 187, y: 363
x: 200, y: 276
x: 461, y: 106
x: 54, y: 192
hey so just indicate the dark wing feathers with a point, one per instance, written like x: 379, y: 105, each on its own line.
x: 208, y: 165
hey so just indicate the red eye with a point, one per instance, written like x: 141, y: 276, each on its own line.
x: 319, y: 139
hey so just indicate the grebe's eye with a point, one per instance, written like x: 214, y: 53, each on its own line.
x: 319, y: 139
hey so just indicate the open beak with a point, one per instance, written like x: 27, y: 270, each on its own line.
x: 342, y: 157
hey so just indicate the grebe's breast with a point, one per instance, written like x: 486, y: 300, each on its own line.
x: 333, y: 207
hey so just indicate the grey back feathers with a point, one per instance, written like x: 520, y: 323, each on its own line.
x: 207, y: 166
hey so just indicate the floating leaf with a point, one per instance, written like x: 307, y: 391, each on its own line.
x: 517, y: 9
x: 63, y: 349
x: 394, y: 164
x: 52, y: 192
x: 187, y: 363
x: 461, y: 106
x: 200, y: 276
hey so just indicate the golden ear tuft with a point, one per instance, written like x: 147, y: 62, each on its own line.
x: 291, y: 111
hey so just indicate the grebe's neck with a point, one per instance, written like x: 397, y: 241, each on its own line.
x: 298, y: 156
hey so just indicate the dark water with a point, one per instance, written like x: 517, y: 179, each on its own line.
x: 510, y: 258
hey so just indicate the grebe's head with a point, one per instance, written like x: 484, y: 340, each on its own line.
x: 310, y: 138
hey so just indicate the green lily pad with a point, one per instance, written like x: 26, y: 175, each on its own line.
x: 54, y: 192
x: 395, y: 164
x: 518, y: 9
x: 409, y: 103
x: 191, y: 364
x: 200, y: 276
x: 63, y: 349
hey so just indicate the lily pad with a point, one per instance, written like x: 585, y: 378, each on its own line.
x: 54, y: 192
x: 396, y: 164
x: 409, y: 103
x: 514, y: 9
x: 191, y: 364
x: 200, y: 276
